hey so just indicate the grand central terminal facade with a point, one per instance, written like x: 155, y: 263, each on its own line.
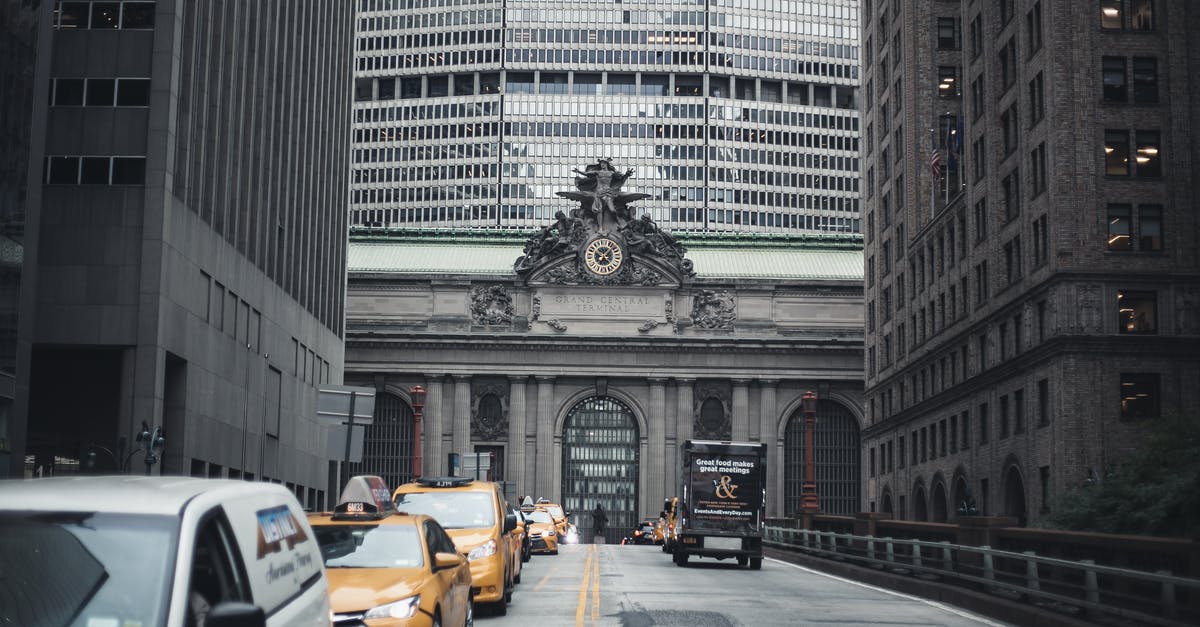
x: 577, y: 359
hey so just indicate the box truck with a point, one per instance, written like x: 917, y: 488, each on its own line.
x: 722, y: 503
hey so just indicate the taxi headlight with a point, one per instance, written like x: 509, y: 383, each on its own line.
x: 484, y: 550
x: 404, y: 608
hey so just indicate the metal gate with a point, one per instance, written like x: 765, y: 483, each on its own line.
x: 600, y: 466
x: 835, y: 456
x: 387, y: 443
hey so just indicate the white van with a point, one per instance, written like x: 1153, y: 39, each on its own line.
x: 150, y: 551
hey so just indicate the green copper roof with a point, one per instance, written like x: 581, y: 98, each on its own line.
x: 493, y: 254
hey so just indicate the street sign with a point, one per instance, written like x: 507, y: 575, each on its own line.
x: 334, y: 403
x: 335, y: 445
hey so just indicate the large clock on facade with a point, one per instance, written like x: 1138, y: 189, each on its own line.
x: 603, y: 256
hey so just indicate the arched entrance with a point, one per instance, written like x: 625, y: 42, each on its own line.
x: 387, y: 443
x: 1014, y: 495
x: 937, y: 498
x: 835, y: 456
x: 886, y: 502
x: 920, y: 514
x: 600, y: 465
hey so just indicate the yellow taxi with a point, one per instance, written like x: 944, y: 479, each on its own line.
x: 556, y: 511
x: 475, y: 515
x: 543, y: 532
x: 386, y: 568
x: 667, y: 522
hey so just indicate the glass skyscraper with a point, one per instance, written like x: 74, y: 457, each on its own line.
x: 736, y: 115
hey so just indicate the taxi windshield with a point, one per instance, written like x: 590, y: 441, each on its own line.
x: 539, y: 516
x: 110, y: 569
x: 452, y: 509
x: 369, y: 546
x: 555, y: 511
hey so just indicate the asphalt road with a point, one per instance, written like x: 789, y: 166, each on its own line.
x: 639, y: 586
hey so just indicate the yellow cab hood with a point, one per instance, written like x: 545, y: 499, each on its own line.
x: 360, y: 589
x: 467, y: 539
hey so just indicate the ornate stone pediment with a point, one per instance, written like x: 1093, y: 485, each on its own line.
x: 601, y: 242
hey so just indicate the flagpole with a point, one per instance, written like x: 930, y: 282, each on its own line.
x: 933, y: 180
x: 947, y: 160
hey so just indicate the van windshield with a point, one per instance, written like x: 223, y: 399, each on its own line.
x: 369, y: 546
x: 453, y: 510
x: 84, y: 568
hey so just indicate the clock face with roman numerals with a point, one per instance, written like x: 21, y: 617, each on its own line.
x: 603, y: 256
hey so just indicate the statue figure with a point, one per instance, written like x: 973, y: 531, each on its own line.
x: 603, y: 207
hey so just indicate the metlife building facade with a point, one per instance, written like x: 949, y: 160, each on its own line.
x: 735, y: 115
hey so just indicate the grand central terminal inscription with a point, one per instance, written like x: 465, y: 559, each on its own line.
x: 563, y: 304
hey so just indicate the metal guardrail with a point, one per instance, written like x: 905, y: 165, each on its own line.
x: 1074, y: 587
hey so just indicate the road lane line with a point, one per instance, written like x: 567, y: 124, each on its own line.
x: 596, y: 588
x: 587, y: 573
x: 941, y: 606
x: 545, y: 578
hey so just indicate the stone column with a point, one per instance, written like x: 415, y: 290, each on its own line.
x: 767, y: 417
x: 515, y: 451
x: 741, y: 410
x: 685, y: 403
x: 433, y: 462
x: 656, y: 441
x: 461, y: 436
x: 544, y: 453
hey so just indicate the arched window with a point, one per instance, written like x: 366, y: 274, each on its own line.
x: 600, y: 465
x: 835, y: 457
x: 387, y: 442
x: 1014, y: 495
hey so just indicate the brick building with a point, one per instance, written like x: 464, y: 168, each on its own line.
x: 1030, y: 246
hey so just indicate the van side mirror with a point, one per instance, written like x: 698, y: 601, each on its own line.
x: 510, y: 522
x: 235, y: 614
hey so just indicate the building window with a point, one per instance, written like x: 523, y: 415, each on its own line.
x: 947, y: 33
x: 978, y: 157
x: 948, y: 84
x: 1142, y: 15
x: 1037, y: 170
x: 1113, y: 71
x: 1139, y: 395
x: 1003, y: 417
x: 1120, y: 236
x: 1149, y: 162
x: 1033, y: 24
x: 1008, y: 64
x: 1040, y: 240
x: 1012, y: 259
x: 1019, y: 411
x: 1116, y: 152
x: 1136, y: 312
x: 1110, y: 14
x: 1150, y: 227
x: 977, y: 97
x: 1010, y: 187
x: 983, y: 423
x: 976, y: 36
x: 1006, y: 11
x: 1036, y: 100
x: 1145, y: 79
x: 1009, y: 125
x: 1043, y: 402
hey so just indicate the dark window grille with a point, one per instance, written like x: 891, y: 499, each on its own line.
x: 387, y: 443
x: 835, y: 457
x: 600, y: 466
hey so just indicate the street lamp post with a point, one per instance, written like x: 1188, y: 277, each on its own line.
x: 150, y: 442
x: 808, y: 489
x: 418, y: 403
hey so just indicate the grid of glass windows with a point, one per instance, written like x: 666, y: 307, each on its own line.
x: 735, y: 114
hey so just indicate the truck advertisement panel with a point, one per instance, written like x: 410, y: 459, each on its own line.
x: 726, y: 491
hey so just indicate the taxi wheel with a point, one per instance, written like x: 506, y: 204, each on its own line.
x: 437, y: 618
x: 508, y: 590
x: 469, y: 621
x: 517, y: 579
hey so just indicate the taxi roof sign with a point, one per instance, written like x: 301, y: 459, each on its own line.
x: 365, y: 495
x: 445, y: 482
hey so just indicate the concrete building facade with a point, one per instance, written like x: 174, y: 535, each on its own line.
x: 1029, y: 169
x: 582, y: 390
x: 738, y: 115
x: 191, y: 212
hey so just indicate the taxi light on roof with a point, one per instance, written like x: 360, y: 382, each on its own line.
x: 365, y: 495
x: 444, y: 482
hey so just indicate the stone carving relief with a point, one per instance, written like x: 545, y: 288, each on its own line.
x: 712, y: 415
x: 714, y: 310
x: 489, y: 412
x: 491, y: 305
x: 1088, y: 312
x: 669, y: 308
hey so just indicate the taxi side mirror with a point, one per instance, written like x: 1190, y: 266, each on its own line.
x: 510, y: 522
x: 235, y: 614
x: 442, y: 561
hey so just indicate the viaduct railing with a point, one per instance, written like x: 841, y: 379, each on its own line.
x: 1131, y: 578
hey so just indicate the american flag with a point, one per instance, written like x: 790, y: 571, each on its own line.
x: 935, y: 162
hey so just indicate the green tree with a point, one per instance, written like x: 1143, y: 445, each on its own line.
x: 1155, y: 491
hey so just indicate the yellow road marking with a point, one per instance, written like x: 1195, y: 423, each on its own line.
x: 545, y: 578
x: 587, y: 573
x: 596, y: 588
